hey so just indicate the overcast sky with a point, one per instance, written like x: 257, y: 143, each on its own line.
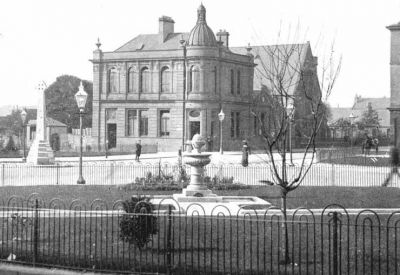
x: 40, y: 40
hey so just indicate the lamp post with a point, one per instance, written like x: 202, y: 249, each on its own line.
x: 183, y: 45
x: 351, y: 117
x: 23, y: 117
x: 81, y: 97
x: 290, y: 113
x: 221, y: 117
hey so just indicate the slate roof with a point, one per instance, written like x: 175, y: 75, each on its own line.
x: 49, y: 121
x: 153, y: 42
x: 269, y: 56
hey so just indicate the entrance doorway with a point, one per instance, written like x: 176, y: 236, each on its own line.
x: 194, y: 128
x: 112, y: 135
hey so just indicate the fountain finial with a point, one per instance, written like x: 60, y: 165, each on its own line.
x: 198, y: 142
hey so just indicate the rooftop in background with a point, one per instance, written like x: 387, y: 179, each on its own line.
x: 49, y: 122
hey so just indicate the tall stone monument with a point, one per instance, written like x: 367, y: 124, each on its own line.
x: 40, y: 152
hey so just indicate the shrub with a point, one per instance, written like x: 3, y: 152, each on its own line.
x: 138, y: 224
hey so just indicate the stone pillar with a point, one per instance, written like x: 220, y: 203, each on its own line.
x: 40, y: 152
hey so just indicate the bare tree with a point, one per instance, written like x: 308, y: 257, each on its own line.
x: 292, y: 93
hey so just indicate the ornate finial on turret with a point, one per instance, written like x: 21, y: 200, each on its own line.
x: 248, y: 48
x: 98, y: 44
x: 201, y: 14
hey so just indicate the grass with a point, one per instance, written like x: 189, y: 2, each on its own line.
x: 308, y: 197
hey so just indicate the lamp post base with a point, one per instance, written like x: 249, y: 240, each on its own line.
x: 81, y: 180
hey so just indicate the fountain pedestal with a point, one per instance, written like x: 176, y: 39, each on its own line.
x: 197, y: 191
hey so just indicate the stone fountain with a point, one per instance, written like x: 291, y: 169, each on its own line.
x: 198, y: 199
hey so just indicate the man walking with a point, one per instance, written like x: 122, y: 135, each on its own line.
x: 138, y: 150
x: 394, y: 161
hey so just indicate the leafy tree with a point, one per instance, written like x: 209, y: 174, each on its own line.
x: 369, y: 118
x: 13, y: 121
x: 10, y: 145
x: 61, y: 104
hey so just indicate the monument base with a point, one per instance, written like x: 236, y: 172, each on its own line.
x: 40, y: 153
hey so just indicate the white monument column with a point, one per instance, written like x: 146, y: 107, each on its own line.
x: 40, y: 152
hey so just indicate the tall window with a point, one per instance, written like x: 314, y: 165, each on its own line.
x: 238, y: 82
x: 145, y: 80
x: 235, y: 124
x: 255, y: 125
x: 262, y: 126
x: 164, y: 123
x: 194, y: 79
x: 215, y: 80
x: 232, y: 82
x: 131, y: 123
x: 143, y: 123
x: 132, y: 81
x: 165, y: 80
x: 113, y: 81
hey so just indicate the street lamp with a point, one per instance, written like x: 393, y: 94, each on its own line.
x: 23, y: 117
x: 221, y: 117
x: 351, y: 117
x: 81, y: 97
x: 183, y: 45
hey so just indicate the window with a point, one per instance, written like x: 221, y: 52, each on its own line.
x: 131, y: 123
x: 235, y: 126
x: 255, y: 125
x: 194, y: 79
x: 164, y: 123
x: 145, y: 80
x: 232, y: 82
x: 132, y: 81
x: 262, y: 127
x: 113, y: 81
x: 165, y: 80
x: 238, y: 82
x: 143, y: 123
x: 215, y: 80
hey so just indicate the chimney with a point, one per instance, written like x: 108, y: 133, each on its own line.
x: 223, y: 36
x: 166, y: 26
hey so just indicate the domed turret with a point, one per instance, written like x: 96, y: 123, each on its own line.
x: 201, y: 34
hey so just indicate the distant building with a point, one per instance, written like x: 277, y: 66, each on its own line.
x: 138, y: 89
x: 54, y: 129
x: 360, y: 105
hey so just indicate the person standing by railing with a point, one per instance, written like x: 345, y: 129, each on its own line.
x: 245, y: 154
x: 138, y: 150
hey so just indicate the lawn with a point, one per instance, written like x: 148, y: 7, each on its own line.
x: 308, y: 197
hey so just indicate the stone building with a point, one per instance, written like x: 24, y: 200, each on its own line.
x: 138, y: 89
x: 395, y: 82
x: 163, y: 88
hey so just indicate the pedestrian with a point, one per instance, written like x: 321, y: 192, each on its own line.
x: 376, y: 144
x: 245, y: 154
x: 138, y: 149
x: 394, y: 162
x: 209, y: 144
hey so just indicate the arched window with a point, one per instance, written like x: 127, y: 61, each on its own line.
x: 165, y: 80
x: 132, y: 87
x: 194, y: 79
x: 113, y: 80
x: 238, y: 82
x: 145, y: 80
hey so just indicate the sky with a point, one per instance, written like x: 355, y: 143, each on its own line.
x: 40, y: 40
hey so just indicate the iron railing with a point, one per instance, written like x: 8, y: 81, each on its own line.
x: 332, y: 240
x: 111, y: 173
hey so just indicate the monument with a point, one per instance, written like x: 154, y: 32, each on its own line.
x: 40, y: 152
x: 197, y: 198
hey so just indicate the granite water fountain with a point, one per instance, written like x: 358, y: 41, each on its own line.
x: 198, y: 199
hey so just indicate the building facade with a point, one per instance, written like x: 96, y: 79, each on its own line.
x: 163, y: 88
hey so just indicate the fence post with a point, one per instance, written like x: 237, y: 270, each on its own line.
x: 57, y: 173
x: 35, y: 231
x: 335, y: 242
x: 169, y: 240
x: 3, y: 169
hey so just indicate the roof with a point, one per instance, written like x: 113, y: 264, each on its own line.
x: 201, y: 34
x: 152, y: 42
x: 49, y: 122
x: 338, y: 113
x: 377, y: 103
x: 269, y: 56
